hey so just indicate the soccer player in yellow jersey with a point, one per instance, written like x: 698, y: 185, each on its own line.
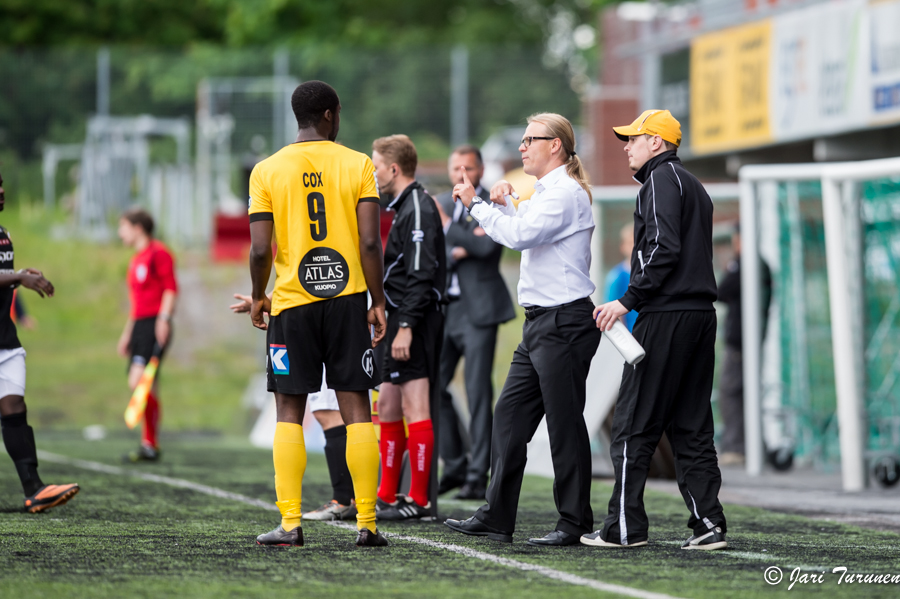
x: 321, y: 201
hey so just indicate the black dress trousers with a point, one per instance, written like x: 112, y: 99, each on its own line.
x: 477, y: 344
x: 669, y: 390
x: 547, y: 376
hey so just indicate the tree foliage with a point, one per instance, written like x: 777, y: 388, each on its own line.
x: 239, y: 23
x: 373, y: 51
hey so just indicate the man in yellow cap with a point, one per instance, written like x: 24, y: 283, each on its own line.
x: 672, y: 287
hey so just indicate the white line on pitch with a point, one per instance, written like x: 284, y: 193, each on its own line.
x: 165, y: 480
x: 751, y: 555
x: 466, y: 551
x: 511, y: 563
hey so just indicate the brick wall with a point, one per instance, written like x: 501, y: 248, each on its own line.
x: 614, y: 100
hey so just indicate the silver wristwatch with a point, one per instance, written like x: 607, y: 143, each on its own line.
x: 476, y: 200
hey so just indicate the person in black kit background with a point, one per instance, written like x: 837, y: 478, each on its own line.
x: 18, y: 437
x: 415, y: 277
x: 731, y: 380
x: 478, y: 303
x: 673, y: 288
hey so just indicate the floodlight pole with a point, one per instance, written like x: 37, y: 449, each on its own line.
x: 280, y: 72
x: 459, y: 95
x: 103, y: 81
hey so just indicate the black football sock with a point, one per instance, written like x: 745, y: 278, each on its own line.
x: 19, y: 440
x: 336, y: 456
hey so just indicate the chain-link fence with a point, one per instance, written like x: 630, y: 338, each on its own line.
x: 880, y: 216
x: 236, y: 103
x: 807, y: 374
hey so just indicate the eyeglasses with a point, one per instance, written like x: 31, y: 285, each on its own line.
x: 526, y: 141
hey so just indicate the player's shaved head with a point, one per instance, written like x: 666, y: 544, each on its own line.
x: 310, y: 101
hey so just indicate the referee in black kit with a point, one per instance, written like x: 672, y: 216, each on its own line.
x: 559, y: 339
x: 673, y: 289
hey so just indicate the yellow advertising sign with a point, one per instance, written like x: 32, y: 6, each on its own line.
x: 730, y: 88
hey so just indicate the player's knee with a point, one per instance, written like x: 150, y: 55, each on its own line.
x: 416, y: 409
x: 12, y: 404
x: 134, y: 375
x: 328, y: 418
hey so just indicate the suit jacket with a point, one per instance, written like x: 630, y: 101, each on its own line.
x: 483, y: 291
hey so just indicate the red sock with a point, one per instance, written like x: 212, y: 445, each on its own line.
x: 151, y: 420
x: 393, y: 446
x: 421, y: 446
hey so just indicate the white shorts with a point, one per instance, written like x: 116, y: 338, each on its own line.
x: 324, y: 399
x: 12, y: 372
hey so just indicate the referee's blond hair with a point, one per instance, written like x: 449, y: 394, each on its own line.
x: 560, y: 127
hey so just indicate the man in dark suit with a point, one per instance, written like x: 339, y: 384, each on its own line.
x: 478, y: 303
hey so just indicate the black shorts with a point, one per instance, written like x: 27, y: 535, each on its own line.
x: 333, y: 332
x: 424, y: 353
x: 143, y: 340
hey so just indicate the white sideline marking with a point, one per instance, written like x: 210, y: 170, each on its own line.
x: 165, y: 480
x: 466, y: 551
x: 526, y: 567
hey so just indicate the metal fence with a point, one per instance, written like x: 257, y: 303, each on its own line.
x: 107, y: 111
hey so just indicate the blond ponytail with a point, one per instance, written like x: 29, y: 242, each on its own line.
x: 560, y: 127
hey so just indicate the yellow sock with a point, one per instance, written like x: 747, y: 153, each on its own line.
x: 362, y: 461
x: 289, y: 455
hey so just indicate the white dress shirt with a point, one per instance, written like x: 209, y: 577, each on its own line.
x: 553, y: 231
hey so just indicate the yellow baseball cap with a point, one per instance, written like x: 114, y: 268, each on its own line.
x: 653, y: 122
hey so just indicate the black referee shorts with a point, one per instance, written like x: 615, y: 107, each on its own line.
x: 428, y: 335
x: 143, y: 341
x: 333, y: 332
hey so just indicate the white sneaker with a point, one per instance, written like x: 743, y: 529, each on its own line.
x: 731, y: 458
x: 593, y: 539
x: 714, y: 539
x: 332, y: 511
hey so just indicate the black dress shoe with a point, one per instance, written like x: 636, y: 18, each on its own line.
x: 557, y: 538
x: 475, y: 527
x: 447, y: 484
x: 471, y: 491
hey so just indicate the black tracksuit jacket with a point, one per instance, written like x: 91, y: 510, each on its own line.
x: 671, y: 264
x: 415, y: 262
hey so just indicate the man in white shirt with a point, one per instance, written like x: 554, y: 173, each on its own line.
x: 549, y: 369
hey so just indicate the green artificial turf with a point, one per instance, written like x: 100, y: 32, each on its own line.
x: 122, y: 536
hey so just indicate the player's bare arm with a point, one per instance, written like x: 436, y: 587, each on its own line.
x: 29, y: 278
x: 261, y: 269
x: 163, y: 327
x: 125, y: 338
x: 372, y: 260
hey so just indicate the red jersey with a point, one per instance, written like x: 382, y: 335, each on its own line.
x: 150, y: 274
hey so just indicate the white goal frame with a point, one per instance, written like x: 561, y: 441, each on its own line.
x: 840, y: 207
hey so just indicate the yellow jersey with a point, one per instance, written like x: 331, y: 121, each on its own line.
x: 310, y: 190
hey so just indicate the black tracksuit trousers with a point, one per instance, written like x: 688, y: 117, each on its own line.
x: 548, y: 375
x: 668, y: 391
